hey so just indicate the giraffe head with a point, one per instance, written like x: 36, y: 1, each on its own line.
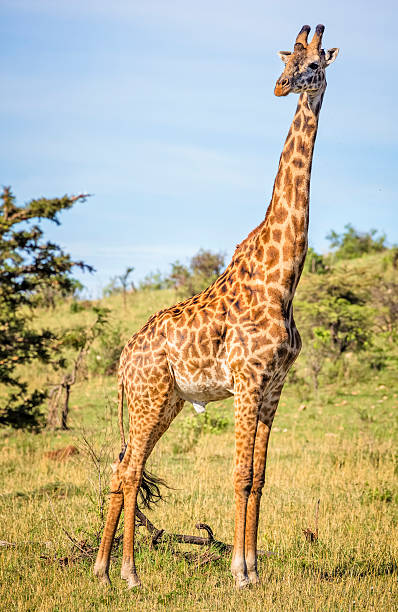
x: 305, y: 66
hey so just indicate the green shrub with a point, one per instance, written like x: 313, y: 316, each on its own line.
x: 193, y: 426
x: 104, y: 356
x: 351, y: 243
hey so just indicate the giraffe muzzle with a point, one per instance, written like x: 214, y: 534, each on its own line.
x: 282, y: 87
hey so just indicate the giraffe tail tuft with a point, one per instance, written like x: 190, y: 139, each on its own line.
x: 149, y: 492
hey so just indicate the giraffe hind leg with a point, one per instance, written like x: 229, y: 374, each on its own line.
x: 135, y: 480
x: 101, y: 567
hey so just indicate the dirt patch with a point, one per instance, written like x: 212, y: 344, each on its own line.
x: 62, y: 454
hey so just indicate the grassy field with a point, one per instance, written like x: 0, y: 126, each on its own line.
x: 338, y: 446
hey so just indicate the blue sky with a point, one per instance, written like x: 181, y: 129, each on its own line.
x: 164, y: 110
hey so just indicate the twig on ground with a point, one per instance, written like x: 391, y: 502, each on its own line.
x: 7, y: 544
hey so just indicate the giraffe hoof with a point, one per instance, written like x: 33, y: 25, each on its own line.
x: 102, y: 575
x: 125, y: 572
x: 133, y: 581
x: 241, y: 582
x: 253, y: 577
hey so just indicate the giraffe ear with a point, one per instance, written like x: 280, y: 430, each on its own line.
x: 330, y: 55
x: 284, y: 55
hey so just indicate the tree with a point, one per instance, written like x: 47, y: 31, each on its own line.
x: 351, y: 243
x: 315, y: 263
x: 79, y: 339
x: 207, y: 264
x: 29, y: 266
x: 179, y: 275
x: 154, y: 281
x: 123, y: 281
x: 203, y: 270
x: 118, y: 284
x: 336, y: 317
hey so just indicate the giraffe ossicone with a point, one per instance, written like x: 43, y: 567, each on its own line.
x: 238, y: 337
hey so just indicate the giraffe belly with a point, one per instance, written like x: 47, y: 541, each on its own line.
x: 204, y: 386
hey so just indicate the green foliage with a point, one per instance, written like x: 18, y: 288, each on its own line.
x: 315, y: 263
x: 154, y: 281
x: 351, y: 243
x: 76, y: 340
x: 79, y: 336
x: 391, y: 258
x: 193, y: 426
x: 30, y: 270
x: 207, y: 263
x: 179, y: 275
x: 202, y: 271
x: 77, y: 306
x: 381, y: 494
x: 204, y: 268
x: 385, y: 299
x: 335, y: 315
x: 105, y: 354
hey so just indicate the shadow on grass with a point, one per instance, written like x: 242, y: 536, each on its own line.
x: 353, y: 570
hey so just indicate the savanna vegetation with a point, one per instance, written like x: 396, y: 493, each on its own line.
x: 334, y: 440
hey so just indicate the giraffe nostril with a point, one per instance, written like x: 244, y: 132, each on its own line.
x: 283, y: 82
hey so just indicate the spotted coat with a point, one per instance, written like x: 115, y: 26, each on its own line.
x: 237, y: 337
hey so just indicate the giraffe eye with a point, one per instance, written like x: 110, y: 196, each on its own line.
x: 313, y: 66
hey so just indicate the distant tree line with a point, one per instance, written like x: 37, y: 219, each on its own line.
x: 347, y: 319
x: 202, y: 270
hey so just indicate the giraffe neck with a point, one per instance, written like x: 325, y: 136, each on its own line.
x: 283, y: 239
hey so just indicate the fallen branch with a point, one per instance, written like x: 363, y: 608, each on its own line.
x: 159, y: 535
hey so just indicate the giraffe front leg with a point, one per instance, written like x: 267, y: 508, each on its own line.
x: 101, y: 567
x: 246, y: 415
x: 267, y: 413
x: 253, y: 506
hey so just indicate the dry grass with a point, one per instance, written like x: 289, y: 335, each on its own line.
x: 339, y: 447
x: 329, y: 453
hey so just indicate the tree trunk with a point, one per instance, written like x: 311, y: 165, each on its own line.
x: 53, y: 415
x: 65, y: 409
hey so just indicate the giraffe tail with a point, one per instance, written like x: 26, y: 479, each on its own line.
x: 120, y: 400
x: 149, y: 491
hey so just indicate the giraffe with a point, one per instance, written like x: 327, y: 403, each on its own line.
x: 237, y: 337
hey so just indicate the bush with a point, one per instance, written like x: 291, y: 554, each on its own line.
x: 105, y: 354
x: 193, y: 426
x: 315, y: 263
x: 204, y: 268
x: 351, y: 243
x: 335, y: 318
